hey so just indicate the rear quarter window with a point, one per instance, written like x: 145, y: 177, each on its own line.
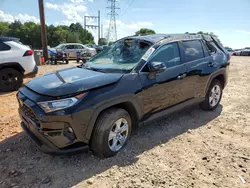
x: 192, y: 50
x: 4, y: 47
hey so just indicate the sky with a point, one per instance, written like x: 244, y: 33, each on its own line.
x: 229, y: 19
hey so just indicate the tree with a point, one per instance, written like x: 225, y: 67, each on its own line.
x: 110, y: 43
x: 29, y: 33
x: 4, y: 28
x: 145, y: 31
x: 207, y: 33
x: 75, y: 27
x: 102, y: 41
x: 73, y: 37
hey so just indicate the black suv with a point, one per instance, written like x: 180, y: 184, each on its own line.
x: 136, y: 80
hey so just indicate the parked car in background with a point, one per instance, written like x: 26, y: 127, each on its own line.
x: 54, y: 57
x: 230, y: 50
x: 237, y: 52
x: 71, y: 49
x: 96, y: 47
x: 16, y: 62
x: 245, y: 52
x: 136, y: 80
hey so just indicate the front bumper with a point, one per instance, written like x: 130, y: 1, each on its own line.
x: 53, y: 134
x: 45, y: 146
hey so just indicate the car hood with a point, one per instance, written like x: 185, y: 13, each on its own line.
x: 70, y: 81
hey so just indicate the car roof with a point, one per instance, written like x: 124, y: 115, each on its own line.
x: 5, y: 39
x: 170, y: 37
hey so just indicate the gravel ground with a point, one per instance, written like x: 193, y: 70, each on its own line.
x: 192, y: 148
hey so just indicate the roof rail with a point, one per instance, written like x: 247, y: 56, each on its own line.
x: 4, y: 39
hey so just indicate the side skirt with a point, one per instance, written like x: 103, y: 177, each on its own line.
x: 172, y: 109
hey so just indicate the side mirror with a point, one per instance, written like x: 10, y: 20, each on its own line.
x: 157, y: 67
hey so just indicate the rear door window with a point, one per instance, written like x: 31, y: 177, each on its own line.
x: 210, y: 47
x: 192, y: 50
x: 79, y: 47
x: 205, y: 49
x: 4, y: 47
x: 70, y: 47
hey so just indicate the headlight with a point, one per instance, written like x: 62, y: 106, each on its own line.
x: 50, y: 106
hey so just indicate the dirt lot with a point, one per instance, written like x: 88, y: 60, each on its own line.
x: 192, y: 148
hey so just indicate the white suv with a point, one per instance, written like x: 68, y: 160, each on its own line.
x: 16, y: 62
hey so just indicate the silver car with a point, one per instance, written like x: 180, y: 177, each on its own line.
x: 71, y: 49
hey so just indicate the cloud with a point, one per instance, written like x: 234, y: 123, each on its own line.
x: 52, y: 6
x: 80, y: 1
x: 66, y: 6
x: 126, y: 29
x: 76, y: 1
x: 73, y: 13
x: 76, y: 10
x: 243, y: 31
x: 21, y: 17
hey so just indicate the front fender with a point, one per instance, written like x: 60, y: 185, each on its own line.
x: 131, y: 98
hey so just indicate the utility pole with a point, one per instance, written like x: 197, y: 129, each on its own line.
x: 43, y: 30
x: 102, y: 31
x: 112, y: 32
x: 93, y: 26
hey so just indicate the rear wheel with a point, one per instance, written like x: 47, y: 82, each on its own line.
x: 111, y: 132
x: 213, y: 96
x: 10, y: 79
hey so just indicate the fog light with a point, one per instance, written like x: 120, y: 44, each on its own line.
x: 70, y: 129
x: 69, y: 133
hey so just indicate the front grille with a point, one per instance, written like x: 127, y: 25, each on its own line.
x: 29, y: 113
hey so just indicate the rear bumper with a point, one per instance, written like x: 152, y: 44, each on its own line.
x: 32, y: 73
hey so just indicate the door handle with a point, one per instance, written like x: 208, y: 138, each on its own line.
x: 182, y: 76
x: 210, y: 64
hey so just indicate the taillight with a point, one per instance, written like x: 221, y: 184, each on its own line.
x: 28, y: 53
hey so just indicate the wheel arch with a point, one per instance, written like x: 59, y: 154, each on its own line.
x: 128, y: 103
x: 221, y: 75
x: 13, y: 65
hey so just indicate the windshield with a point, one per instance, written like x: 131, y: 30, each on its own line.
x: 122, y: 56
x: 60, y: 46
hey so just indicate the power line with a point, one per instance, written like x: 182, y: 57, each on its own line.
x: 125, y: 9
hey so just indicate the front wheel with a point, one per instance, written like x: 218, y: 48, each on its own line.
x: 213, y: 96
x: 10, y: 79
x: 112, y: 130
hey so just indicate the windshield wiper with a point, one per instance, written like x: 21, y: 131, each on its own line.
x: 91, y: 68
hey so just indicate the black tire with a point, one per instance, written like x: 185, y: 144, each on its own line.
x: 67, y: 61
x: 78, y: 60
x: 206, y: 105
x: 100, y: 137
x: 10, y: 79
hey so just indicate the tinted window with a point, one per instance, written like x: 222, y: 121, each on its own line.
x: 70, y: 47
x: 210, y: 48
x: 193, y: 50
x: 169, y: 54
x: 4, y: 47
x: 205, y: 49
x: 79, y: 47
